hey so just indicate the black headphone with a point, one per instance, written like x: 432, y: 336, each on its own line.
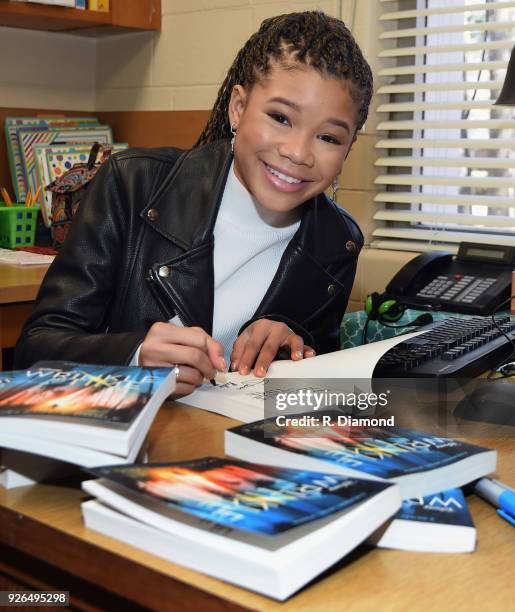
x: 387, y: 308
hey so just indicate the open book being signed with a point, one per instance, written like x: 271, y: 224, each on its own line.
x: 242, y: 397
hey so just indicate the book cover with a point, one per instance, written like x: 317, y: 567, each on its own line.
x: 72, y: 391
x: 262, y: 500
x: 265, y: 528
x: 380, y: 452
x: 445, y: 508
x: 420, y: 462
x: 440, y: 522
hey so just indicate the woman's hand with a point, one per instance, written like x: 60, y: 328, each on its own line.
x: 260, y: 342
x: 196, y: 353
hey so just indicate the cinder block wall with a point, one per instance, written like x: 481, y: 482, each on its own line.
x: 47, y: 70
x: 182, y: 67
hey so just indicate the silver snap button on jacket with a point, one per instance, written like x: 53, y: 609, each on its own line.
x: 164, y: 271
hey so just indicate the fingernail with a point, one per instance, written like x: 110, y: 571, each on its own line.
x: 234, y: 366
x: 261, y: 371
x: 310, y: 353
x: 244, y: 370
x: 297, y: 355
x: 223, y: 365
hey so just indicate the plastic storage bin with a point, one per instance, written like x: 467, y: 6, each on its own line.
x: 17, y: 225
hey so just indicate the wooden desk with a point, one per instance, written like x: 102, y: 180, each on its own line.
x: 41, y: 530
x: 19, y: 286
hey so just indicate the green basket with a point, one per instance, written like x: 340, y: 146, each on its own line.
x: 17, y: 225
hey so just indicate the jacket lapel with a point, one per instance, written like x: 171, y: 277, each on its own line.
x: 184, y: 211
x: 310, y: 256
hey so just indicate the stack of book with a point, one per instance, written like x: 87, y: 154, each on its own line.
x: 266, y: 528
x: 79, y: 414
x: 40, y: 149
x: 289, y: 507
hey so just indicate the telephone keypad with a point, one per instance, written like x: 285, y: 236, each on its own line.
x: 456, y: 288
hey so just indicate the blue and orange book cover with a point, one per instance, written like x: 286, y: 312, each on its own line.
x: 447, y: 508
x: 260, y: 499
x: 111, y: 394
x: 379, y: 452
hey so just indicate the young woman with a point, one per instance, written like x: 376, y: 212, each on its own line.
x: 229, y: 254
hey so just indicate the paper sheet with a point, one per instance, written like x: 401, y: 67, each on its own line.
x: 24, y: 258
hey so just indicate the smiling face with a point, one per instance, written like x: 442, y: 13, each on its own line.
x: 294, y: 130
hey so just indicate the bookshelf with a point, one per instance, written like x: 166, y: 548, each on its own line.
x: 124, y: 16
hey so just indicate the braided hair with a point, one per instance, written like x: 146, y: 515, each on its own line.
x: 311, y: 38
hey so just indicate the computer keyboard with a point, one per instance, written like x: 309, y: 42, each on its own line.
x: 453, y: 347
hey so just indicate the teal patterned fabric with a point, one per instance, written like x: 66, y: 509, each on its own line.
x: 352, y: 326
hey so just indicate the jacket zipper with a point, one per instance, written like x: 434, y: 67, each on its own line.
x: 155, y: 285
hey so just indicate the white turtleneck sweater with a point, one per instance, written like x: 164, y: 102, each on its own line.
x: 249, y: 243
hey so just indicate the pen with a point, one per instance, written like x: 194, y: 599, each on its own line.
x: 213, y: 382
x: 499, y: 495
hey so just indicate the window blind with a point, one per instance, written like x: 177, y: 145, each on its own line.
x: 446, y: 158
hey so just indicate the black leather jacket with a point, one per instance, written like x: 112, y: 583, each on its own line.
x: 141, y: 250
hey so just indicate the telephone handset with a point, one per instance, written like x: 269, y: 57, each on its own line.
x: 476, y: 281
x: 413, y: 276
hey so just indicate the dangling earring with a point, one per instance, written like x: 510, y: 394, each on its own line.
x: 335, y: 188
x: 233, y: 132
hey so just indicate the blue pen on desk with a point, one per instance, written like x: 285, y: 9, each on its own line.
x: 499, y: 495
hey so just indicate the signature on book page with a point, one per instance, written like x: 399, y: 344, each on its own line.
x: 249, y: 385
x: 254, y: 387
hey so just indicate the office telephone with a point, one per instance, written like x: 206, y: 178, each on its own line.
x: 475, y: 282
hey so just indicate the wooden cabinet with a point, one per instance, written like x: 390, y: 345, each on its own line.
x: 124, y: 16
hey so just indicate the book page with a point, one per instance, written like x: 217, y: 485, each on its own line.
x: 357, y: 362
x: 235, y: 396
